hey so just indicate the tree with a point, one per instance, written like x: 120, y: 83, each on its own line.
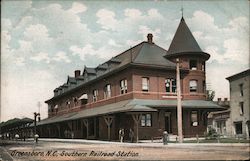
x: 210, y: 95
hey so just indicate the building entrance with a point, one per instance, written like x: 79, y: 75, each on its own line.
x: 168, y: 126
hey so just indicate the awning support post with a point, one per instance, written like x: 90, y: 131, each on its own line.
x: 59, y: 131
x: 108, y: 120
x: 48, y: 130
x: 86, y: 123
x: 137, y: 118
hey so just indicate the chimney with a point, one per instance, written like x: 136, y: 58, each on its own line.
x: 150, y: 38
x: 219, y: 99
x: 225, y: 99
x: 77, y: 73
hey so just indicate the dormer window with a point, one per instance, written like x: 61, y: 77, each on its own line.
x: 193, y: 64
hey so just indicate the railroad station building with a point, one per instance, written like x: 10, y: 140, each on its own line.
x: 134, y: 90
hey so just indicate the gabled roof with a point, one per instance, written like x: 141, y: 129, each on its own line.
x: 184, y: 42
x: 71, y: 80
x: 146, y: 54
x: 89, y: 70
x: 102, y: 66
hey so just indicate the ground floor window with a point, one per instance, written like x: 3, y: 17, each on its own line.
x: 221, y: 127
x: 238, y: 127
x: 194, y: 118
x: 146, y: 120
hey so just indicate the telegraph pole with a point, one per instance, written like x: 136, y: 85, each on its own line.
x: 179, y: 108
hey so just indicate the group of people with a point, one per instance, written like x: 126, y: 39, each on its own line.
x: 122, y: 133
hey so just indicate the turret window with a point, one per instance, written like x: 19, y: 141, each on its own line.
x: 193, y: 64
x: 145, y: 84
x: 203, y: 66
x: 193, y: 86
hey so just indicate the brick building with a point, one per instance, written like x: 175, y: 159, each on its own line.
x: 239, y: 104
x: 134, y: 90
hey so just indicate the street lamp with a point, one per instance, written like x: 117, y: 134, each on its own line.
x: 35, y: 116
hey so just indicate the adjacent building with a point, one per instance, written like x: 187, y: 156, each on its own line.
x: 134, y: 90
x: 239, y: 103
x: 220, y: 120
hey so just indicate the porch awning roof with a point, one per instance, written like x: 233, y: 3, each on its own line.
x: 123, y: 106
x: 134, y: 105
x: 173, y: 103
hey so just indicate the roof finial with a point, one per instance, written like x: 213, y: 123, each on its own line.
x: 182, y: 11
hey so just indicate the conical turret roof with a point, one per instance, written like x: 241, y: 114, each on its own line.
x: 184, y: 42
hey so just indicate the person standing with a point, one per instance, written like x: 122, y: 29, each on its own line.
x: 121, y: 135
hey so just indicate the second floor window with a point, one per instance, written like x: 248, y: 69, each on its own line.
x: 107, y: 91
x: 145, y: 84
x: 241, y: 108
x: 68, y: 104
x: 123, y: 86
x: 193, y: 86
x: 170, y: 85
x: 241, y: 90
x: 95, y: 95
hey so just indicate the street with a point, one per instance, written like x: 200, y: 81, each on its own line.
x: 55, y: 149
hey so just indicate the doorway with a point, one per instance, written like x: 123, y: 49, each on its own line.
x: 168, y: 126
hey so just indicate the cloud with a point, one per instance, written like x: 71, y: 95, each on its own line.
x: 234, y: 50
x: 106, y: 18
x: 132, y: 13
x: 104, y: 52
x: 77, y: 8
x: 36, y: 32
x: 61, y: 56
x: 21, y: 89
x: 225, y: 43
x: 113, y: 43
x: 144, y: 30
x: 154, y: 13
x: 41, y: 57
x: 131, y: 43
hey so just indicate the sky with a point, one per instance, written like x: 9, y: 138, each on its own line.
x: 42, y: 41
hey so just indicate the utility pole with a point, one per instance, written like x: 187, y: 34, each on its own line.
x: 35, y: 116
x: 179, y: 108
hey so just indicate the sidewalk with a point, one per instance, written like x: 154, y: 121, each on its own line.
x: 144, y: 143
x: 141, y: 143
